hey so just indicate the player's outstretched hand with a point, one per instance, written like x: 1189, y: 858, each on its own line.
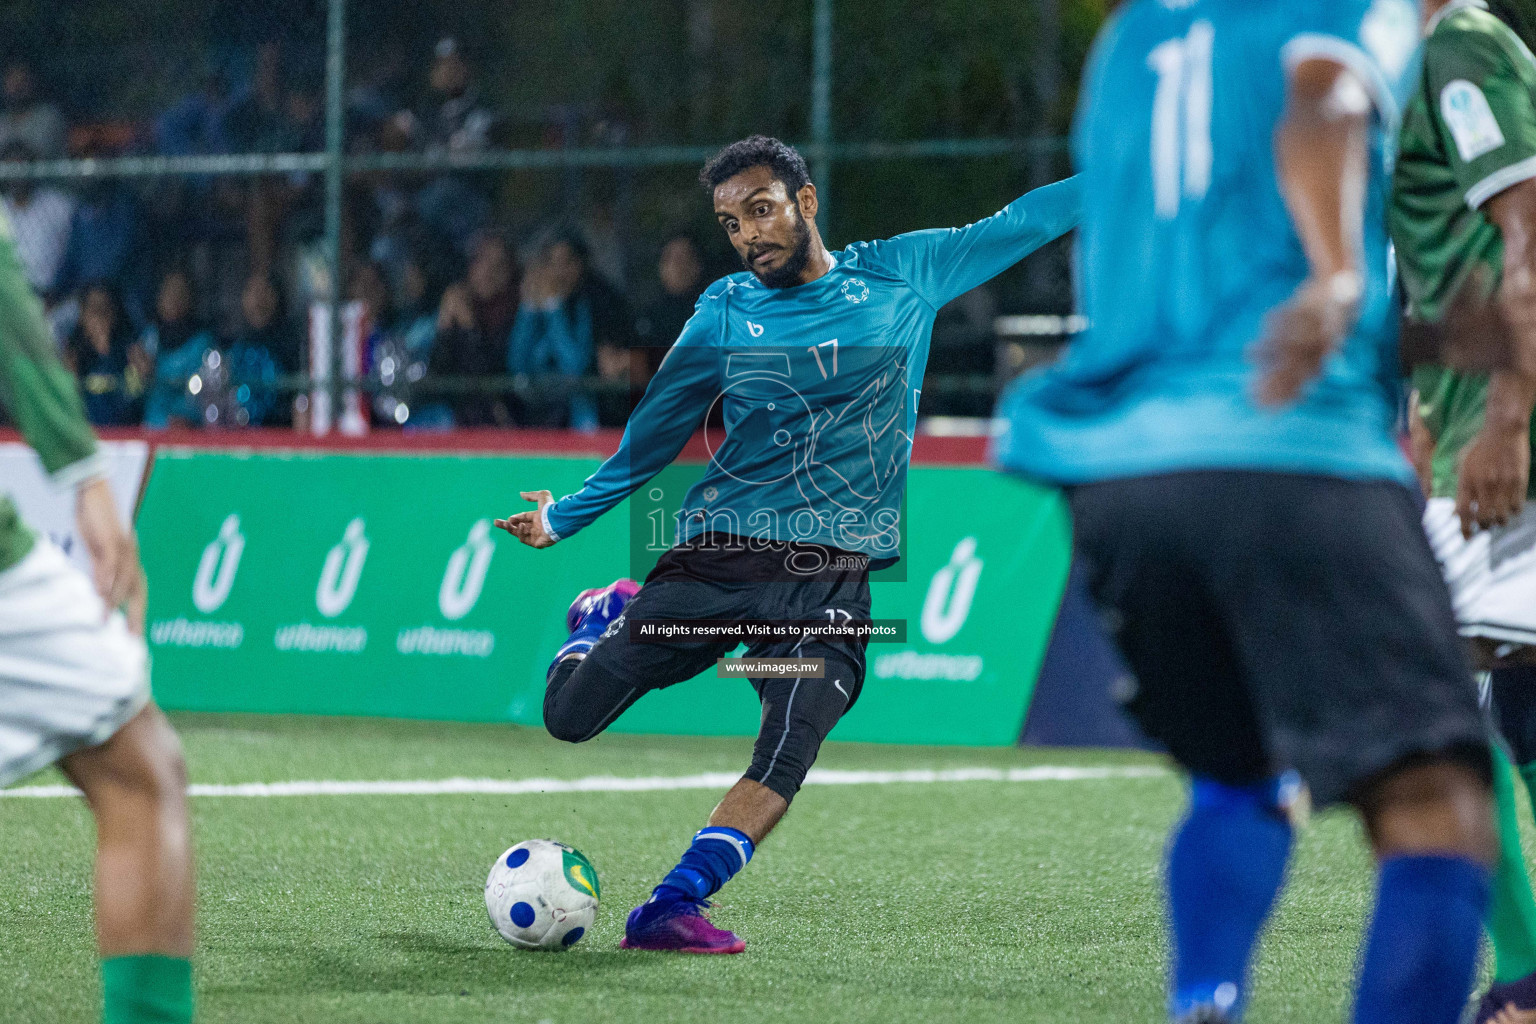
x: 528, y: 527
x: 1302, y: 333
x: 114, y: 553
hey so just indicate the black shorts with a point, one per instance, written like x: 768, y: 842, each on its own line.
x: 1280, y: 621
x: 725, y: 581
x: 1512, y: 695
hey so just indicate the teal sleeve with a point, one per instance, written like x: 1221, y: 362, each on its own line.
x: 672, y: 408
x: 944, y: 263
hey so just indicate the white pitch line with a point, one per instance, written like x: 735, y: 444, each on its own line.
x: 616, y: 784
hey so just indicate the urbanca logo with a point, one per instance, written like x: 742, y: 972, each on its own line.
x: 948, y: 602
x: 217, y: 568
x: 465, y: 577
x: 343, y: 569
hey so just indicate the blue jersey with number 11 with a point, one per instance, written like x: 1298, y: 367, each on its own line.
x: 1186, y: 245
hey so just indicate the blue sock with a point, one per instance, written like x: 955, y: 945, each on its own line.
x: 1225, y: 866
x: 716, y: 854
x: 1421, y: 951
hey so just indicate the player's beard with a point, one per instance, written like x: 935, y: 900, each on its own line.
x: 787, y: 274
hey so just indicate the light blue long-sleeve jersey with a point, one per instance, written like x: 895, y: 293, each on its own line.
x: 1187, y: 246
x: 818, y: 386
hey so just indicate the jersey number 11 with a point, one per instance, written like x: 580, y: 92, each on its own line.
x: 1181, y: 119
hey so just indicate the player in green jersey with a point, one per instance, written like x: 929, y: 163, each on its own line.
x: 1464, y: 214
x: 74, y: 683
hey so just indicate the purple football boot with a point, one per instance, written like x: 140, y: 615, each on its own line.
x: 591, y: 614
x: 677, y: 926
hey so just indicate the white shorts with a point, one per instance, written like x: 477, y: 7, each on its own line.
x: 70, y: 677
x: 1492, y: 576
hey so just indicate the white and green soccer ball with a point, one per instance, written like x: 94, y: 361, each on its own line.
x: 542, y: 895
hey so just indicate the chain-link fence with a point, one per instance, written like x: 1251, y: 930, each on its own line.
x: 187, y: 180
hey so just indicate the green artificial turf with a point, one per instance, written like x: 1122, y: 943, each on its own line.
x: 974, y: 901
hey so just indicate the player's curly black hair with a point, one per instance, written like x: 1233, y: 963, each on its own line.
x: 781, y: 158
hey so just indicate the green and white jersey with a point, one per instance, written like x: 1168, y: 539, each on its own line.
x: 1468, y: 134
x: 38, y: 393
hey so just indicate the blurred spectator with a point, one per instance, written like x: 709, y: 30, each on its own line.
x: 106, y: 243
x: 199, y: 383
x: 27, y: 118
x: 174, y: 324
x: 680, y: 270
x: 201, y: 219
x: 40, y: 217
x: 416, y: 307
x: 196, y: 124
x: 256, y: 120
x: 174, y: 345
x: 453, y: 120
x: 280, y: 112
x: 378, y: 76
x: 399, y: 344
x: 263, y: 347
x: 473, y: 322
x: 383, y: 353
x: 569, y: 322
x: 98, y: 353
x: 367, y: 287
x: 264, y: 325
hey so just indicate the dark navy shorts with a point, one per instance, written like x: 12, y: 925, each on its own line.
x: 724, y: 580
x: 1279, y: 621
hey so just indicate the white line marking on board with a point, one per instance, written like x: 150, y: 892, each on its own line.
x: 615, y: 784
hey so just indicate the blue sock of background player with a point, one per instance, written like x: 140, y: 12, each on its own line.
x: 1421, y: 951
x: 1225, y: 865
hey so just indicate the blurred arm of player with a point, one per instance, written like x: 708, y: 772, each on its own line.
x: 1321, y: 154
x: 43, y: 399
x: 114, y: 552
x: 1495, y: 470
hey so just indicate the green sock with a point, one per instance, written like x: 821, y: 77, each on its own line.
x: 1512, y: 912
x: 148, y: 989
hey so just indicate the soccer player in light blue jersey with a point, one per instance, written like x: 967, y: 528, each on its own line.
x: 1226, y: 430
x: 815, y: 360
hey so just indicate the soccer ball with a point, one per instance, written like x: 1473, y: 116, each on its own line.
x: 542, y: 895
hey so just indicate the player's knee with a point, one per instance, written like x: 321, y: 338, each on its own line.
x: 1442, y: 804
x: 564, y: 720
x: 161, y: 764
x: 562, y: 716
x: 566, y: 728
x: 783, y: 775
x: 142, y: 766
